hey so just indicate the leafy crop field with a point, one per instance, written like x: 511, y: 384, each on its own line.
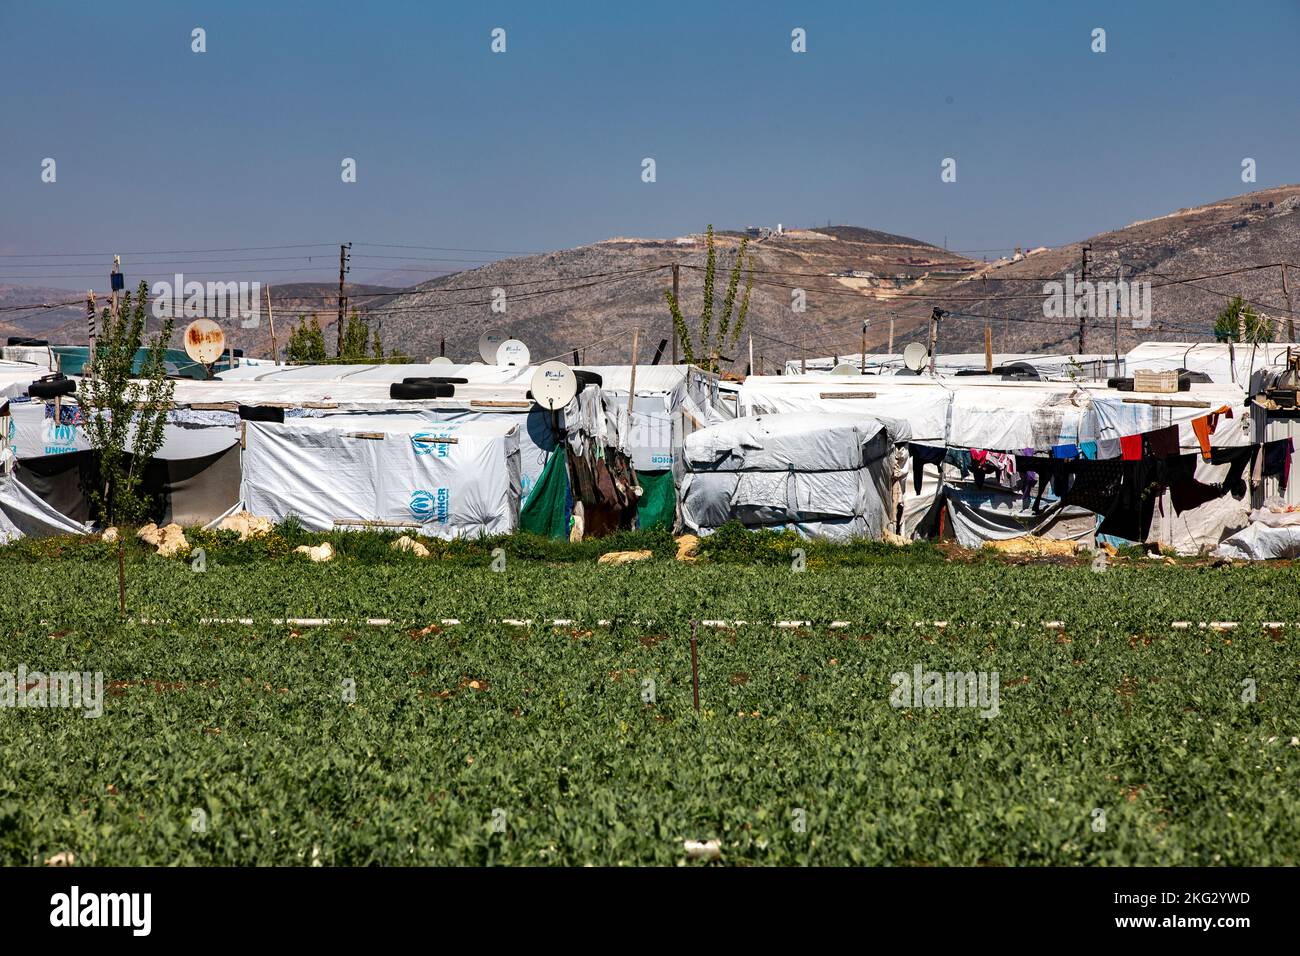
x: 1118, y: 739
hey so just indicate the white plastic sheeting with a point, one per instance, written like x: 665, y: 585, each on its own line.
x: 1236, y: 364
x: 1270, y: 534
x: 1092, y: 365
x: 980, y: 516
x: 333, y: 472
x: 16, y: 376
x: 827, y: 476
x: 24, y: 514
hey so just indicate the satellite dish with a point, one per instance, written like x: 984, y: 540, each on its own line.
x: 489, y: 342
x: 441, y: 360
x: 204, y: 341
x: 915, y: 356
x: 844, y: 368
x: 554, y: 385
x: 512, y: 352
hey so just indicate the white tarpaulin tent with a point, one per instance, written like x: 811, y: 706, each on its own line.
x: 1225, y: 364
x: 1053, y: 365
x: 824, y: 475
x: 448, y: 480
x: 966, y: 413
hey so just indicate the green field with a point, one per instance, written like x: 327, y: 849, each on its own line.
x: 483, y: 743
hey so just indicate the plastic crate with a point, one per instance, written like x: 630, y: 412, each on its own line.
x: 1145, y: 380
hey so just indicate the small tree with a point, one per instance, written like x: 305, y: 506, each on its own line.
x: 125, y: 411
x: 712, y: 342
x: 356, y: 339
x: 306, y: 343
x: 1228, y: 326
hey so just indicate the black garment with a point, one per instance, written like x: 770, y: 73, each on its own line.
x: 1178, y: 473
x: 1239, y: 457
x: 1096, y: 485
x: 1130, y: 516
x: 923, y: 455
x: 1277, y: 460
x: 1160, y: 443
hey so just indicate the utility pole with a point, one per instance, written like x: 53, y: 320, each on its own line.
x: 90, y: 327
x: 1083, y: 277
x: 862, y: 357
x: 751, y: 356
x: 1119, y: 284
x: 988, y: 347
x: 270, y: 317
x: 1290, y: 309
x: 935, y: 316
x: 343, y: 299
x: 677, y: 299
x: 890, y: 349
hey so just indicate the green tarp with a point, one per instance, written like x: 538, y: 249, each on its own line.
x: 657, y: 506
x: 545, y: 511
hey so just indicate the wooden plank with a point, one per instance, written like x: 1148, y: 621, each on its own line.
x: 431, y: 440
x: 485, y: 403
x: 1168, y: 402
x: 372, y: 436
x: 375, y: 523
x: 212, y: 406
x: 848, y: 394
x: 320, y: 404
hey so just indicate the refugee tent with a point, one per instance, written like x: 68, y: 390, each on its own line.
x: 953, y: 418
x: 1245, y: 365
x: 1048, y: 365
x: 823, y: 475
x: 448, y: 480
x: 16, y: 376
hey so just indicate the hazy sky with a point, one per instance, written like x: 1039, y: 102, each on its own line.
x: 159, y: 148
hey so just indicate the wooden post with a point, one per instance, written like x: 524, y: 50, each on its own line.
x: 988, y: 348
x: 862, y: 357
x: 890, y: 348
x: 1290, y: 309
x: 934, y: 334
x: 90, y: 325
x: 270, y: 317
x: 695, y: 667
x: 677, y: 299
x: 631, y: 388
x: 751, y: 355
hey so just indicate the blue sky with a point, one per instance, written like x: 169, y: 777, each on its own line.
x: 160, y: 148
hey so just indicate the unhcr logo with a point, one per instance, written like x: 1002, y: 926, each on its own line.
x: 212, y: 300
x: 433, y: 505
x: 1099, y: 300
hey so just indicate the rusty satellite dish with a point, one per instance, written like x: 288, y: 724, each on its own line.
x: 204, y: 341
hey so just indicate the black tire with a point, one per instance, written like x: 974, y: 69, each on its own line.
x: 51, y: 386
x: 414, y: 391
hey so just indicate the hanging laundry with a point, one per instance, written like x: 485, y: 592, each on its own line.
x: 923, y: 455
x: 1204, y: 426
x: 959, y: 458
x: 1238, y: 457
x: 1108, y: 448
x: 1178, y: 474
x: 1277, y: 461
x: 1160, y: 443
x: 1088, y: 450
x: 1131, y: 447
x: 1065, y: 451
x: 1096, y: 485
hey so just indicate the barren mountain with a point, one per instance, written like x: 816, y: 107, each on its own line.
x: 590, y: 298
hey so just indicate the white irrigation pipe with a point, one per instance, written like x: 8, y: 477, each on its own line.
x: 715, y: 624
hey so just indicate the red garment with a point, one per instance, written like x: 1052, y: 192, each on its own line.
x: 1130, y: 447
